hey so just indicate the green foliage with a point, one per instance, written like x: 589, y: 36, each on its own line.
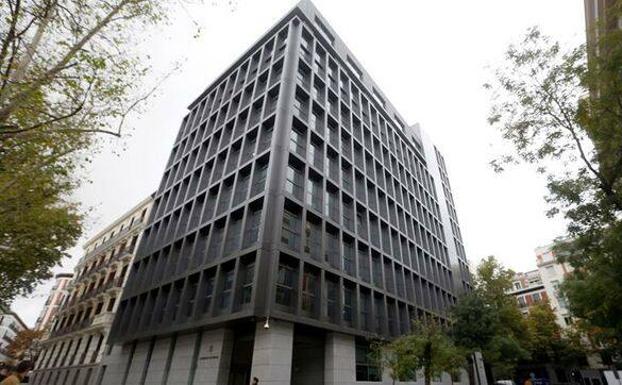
x: 547, y: 340
x: 68, y: 73
x: 488, y: 320
x: 563, y: 113
x: 428, y: 348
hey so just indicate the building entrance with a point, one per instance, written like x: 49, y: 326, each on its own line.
x: 241, y: 359
x: 308, y: 356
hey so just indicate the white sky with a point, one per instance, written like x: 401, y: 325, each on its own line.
x: 430, y: 58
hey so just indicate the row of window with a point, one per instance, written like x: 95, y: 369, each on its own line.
x: 378, y: 167
x: 242, y: 75
x: 101, y: 260
x: 212, y: 242
x: 407, y: 215
x: 354, y: 110
x: 223, y: 289
x: 235, y: 189
x: 76, y: 317
x: 65, y: 353
x: 322, y: 241
x: 307, y: 290
x: 224, y: 137
x: 238, y: 101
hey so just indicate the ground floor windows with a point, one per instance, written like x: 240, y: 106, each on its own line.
x: 366, y: 369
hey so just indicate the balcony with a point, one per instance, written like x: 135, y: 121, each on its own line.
x: 72, y: 328
x: 103, y: 319
x: 113, y: 240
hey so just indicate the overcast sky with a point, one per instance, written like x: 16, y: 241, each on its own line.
x: 430, y: 58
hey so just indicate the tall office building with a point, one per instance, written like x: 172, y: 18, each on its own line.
x: 298, y: 215
x: 71, y: 351
x: 55, y: 298
x: 598, y: 18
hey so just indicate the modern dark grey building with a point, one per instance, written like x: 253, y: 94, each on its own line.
x: 297, y: 217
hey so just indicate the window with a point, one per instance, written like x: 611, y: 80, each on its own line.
x: 316, y: 154
x: 536, y: 297
x: 290, y: 231
x: 251, y: 232
x: 285, y: 285
x: 366, y: 369
x: 348, y: 214
x: 365, y: 310
x: 313, y: 239
x: 522, y: 302
x: 348, y: 305
x: 348, y: 256
x: 227, y: 287
x: 332, y: 252
x: 213, y: 252
x: 208, y: 292
x: 314, y: 192
x: 191, y: 294
x: 234, y: 234
x: 259, y: 178
x: 241, y: 188
x: 324, y: 31
x: 332, y: 298
x: 301, y: 105
x: 294, y: 181
x: 310, y: 293
x: 332, y: 204
x: 246, y: 289
x: 297, y: 141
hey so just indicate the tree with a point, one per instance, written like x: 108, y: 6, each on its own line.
x: 549, y: 343
x: 69, y: 74
x: 563, y: 114
x: 427, y: 348
x: 488, y: 320
x: 25, y: 344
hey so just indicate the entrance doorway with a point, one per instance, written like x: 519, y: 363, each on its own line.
x: 308, y: 356
x: 241, y: 358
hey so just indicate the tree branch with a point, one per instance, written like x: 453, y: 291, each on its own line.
x: 50, y: 74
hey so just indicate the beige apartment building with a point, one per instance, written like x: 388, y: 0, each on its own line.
x: 55, y: 299
x: 78, y: 331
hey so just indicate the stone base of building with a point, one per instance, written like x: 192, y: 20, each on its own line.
x: 282, y: 354
x: 72, y: 375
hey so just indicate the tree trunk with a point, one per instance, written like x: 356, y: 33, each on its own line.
x: 427, y: 363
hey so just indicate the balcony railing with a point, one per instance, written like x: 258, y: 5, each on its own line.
x: 72, y: 328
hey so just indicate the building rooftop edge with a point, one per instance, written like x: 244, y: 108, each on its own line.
x: 120, y: 219
x: 307, y: 9
x: 7, y: 310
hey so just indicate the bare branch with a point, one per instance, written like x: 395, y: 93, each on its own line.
x: 50, y: 74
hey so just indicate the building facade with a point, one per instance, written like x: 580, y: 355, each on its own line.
x: 598, y: 18
x: 553, y: 274
x: 10, y: 326
x: 72, y: 350
x: 297, y: 217
x: 528, y: 290
x: 57, y: 295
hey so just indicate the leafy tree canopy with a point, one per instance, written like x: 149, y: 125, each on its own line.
x: 427, y: 349
x: 563, y: 113
x: 24, y: 345
x: 489, y: 320
x: 69, y: 73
